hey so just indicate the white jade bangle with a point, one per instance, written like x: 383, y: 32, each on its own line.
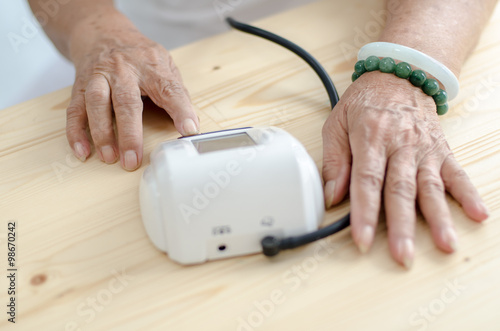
x: 415, y: 58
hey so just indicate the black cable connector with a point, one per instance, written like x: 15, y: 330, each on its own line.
x: 271, y: 245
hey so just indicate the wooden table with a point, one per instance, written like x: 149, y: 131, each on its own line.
x: 85, y: 262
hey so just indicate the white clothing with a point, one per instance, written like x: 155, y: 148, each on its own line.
x: 173, y: 23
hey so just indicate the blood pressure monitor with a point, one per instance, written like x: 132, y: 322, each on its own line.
x: 218, y: 194
x: 236, y: 192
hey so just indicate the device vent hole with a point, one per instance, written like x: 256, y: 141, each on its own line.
x: 222, y: 248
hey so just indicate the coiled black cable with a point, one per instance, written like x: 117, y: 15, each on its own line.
x: 272, y: 245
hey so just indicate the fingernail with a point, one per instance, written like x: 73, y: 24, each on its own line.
x: 79, y: 152
x: 108, y: 154
x: 329, y: 193
x: 130, y: 160
x: 406, y: 251
x: 482, y: 207
x: 189, y: 128
x: 365, y: 239
x: 449, y: 236
x: 408, y: 262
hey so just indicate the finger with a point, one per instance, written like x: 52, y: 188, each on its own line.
x: 76, y: 123
x: 127, y: 105
x: 434, y: 207
x: 98, y: 103
x: 168, y: 92
x: 400, y: 191
x: 461, y: 188
x: 336, y: 160
x: 367, y: 178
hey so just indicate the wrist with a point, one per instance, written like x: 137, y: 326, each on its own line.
x: 395, y: 91
x: 106, y: 24
x: 389, y: 54
x: 429, y: 47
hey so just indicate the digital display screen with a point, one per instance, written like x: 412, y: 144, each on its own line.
x: 221, y: 143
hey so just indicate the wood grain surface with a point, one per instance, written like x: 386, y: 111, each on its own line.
x: 85, y: 262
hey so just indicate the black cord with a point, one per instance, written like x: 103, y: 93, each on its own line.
x: 302, y: 53
x: 272, y: 245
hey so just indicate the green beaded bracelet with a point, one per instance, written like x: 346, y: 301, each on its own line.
x: 430, y: 87
x: 387, y: 65
x: 417, y: 78
x: 372, y: 63
x: 403, y: 70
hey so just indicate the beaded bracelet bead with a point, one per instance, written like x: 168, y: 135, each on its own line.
x: 403, y: 70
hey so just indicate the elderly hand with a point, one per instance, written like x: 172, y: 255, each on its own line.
x: 116, y: 65
x: 384, y: 135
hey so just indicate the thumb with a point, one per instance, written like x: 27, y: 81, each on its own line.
x: 336, y: 158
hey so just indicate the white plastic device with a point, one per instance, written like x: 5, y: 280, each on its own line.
x: 216, y: 195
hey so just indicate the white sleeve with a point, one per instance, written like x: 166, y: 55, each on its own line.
x: 173, y: 23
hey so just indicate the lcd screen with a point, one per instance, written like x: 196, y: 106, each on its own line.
x: 221, y: 143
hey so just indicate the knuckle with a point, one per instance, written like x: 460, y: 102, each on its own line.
x: 374, y: 123
x: 111, y: 59
x: 333, y: 129
x: 402, y: 187
x: 100, y: 134
x: 129, y: 132
x: 460, y: 174
x: 170, y: 88
x: 96, y: 94
x: 130, y: 140
x: 371, y: 178
x: 126, y: 98
x: 75, y: 114
x: 409, y: 138
x: 80, y: 82
x: 150, y: 57
x: 75, y: 121
x: 430, y: 185
x: 154, y: 52
x: 332, y: 161
x: 457, y: 176
x: 370, y: 129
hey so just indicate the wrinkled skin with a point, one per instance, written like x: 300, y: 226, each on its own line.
x: 383, y: 143
x: 114, y: 68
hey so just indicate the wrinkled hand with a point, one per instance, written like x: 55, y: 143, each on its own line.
x: 384, y: 137
x: 116, y: 65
